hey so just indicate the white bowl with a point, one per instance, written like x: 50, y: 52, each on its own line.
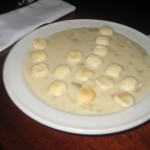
x: 79, y: 124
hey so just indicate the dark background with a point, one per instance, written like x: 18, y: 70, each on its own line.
x: 135, y: 14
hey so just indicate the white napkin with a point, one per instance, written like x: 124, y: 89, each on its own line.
x: 15, y: 24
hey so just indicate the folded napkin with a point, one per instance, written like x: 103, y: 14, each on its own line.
x: 15, y: 24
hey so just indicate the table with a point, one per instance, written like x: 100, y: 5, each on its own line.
x: 20, y: 132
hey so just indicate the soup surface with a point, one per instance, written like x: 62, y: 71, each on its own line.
x: 88, y: 71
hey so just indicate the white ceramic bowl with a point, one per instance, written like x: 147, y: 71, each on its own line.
x: 33, y: 107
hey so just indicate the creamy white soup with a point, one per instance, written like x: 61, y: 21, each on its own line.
x: 88, y: 71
